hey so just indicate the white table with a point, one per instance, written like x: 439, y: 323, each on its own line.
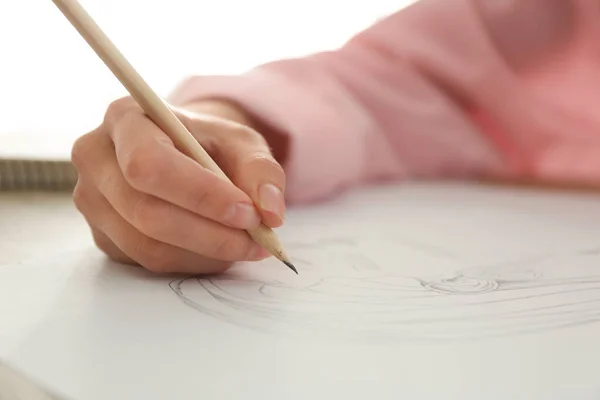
x: 102, y: 336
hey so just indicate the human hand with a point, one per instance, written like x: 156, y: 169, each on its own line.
x: 147, y: 203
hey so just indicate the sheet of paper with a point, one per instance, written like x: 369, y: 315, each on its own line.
x: 420, y: 292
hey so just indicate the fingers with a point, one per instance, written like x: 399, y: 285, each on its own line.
x: 163, y: 221
x: 109, y: 248
x: 151, y: 164
x: 110, y: 228
x: 149, y: 203
x: 245, y: 157
x: 102, y: 241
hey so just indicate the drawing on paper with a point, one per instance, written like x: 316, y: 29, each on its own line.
x: 343, y: 294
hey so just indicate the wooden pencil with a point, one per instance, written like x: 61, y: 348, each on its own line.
x: 156, y: 109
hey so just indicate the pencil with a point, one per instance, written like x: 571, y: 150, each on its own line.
x: 156, y: 109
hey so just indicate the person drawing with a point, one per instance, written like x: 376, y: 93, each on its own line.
x: 442, y: 89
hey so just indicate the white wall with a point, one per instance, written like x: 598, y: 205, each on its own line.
x: 51, y: 83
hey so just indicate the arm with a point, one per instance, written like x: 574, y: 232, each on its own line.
x: 433, y: 91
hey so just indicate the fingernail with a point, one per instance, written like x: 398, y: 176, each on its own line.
x: 243, y: 216
x: 271, y: 199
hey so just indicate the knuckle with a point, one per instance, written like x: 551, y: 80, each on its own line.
x: 119, y: 109
x: 223, y: 247
x: 141, y: 168
x: 267, y: 164
x: 81, y: 148
x: 202, y: 199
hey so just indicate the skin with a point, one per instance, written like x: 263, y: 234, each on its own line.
x: 148, y: 204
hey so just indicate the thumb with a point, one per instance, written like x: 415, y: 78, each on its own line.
x: 246, y: 158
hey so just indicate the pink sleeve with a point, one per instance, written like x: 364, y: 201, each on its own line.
x: 440, y: 89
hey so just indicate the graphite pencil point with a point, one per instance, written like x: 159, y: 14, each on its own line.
x: 291, y: 266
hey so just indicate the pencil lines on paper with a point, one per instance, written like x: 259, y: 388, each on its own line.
x: 357, y: 299
x: 462, y: 285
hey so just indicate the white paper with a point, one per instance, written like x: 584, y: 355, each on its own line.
x: 420, y: 292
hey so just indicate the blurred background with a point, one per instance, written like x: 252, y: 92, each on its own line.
x: 53, y: 88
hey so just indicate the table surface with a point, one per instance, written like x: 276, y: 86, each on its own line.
x: 34, y: 223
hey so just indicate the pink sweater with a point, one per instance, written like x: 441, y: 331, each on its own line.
x: 443, y: 89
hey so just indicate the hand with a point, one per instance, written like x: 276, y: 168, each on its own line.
x: 149, y: 204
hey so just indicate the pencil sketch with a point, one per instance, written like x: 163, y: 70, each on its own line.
x: 358, y: 299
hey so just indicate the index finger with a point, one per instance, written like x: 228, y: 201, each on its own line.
x: 152, y: 164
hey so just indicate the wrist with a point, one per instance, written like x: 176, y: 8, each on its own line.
x: 278, y: 141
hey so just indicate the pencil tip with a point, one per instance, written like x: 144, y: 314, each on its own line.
x: 291, y: 266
